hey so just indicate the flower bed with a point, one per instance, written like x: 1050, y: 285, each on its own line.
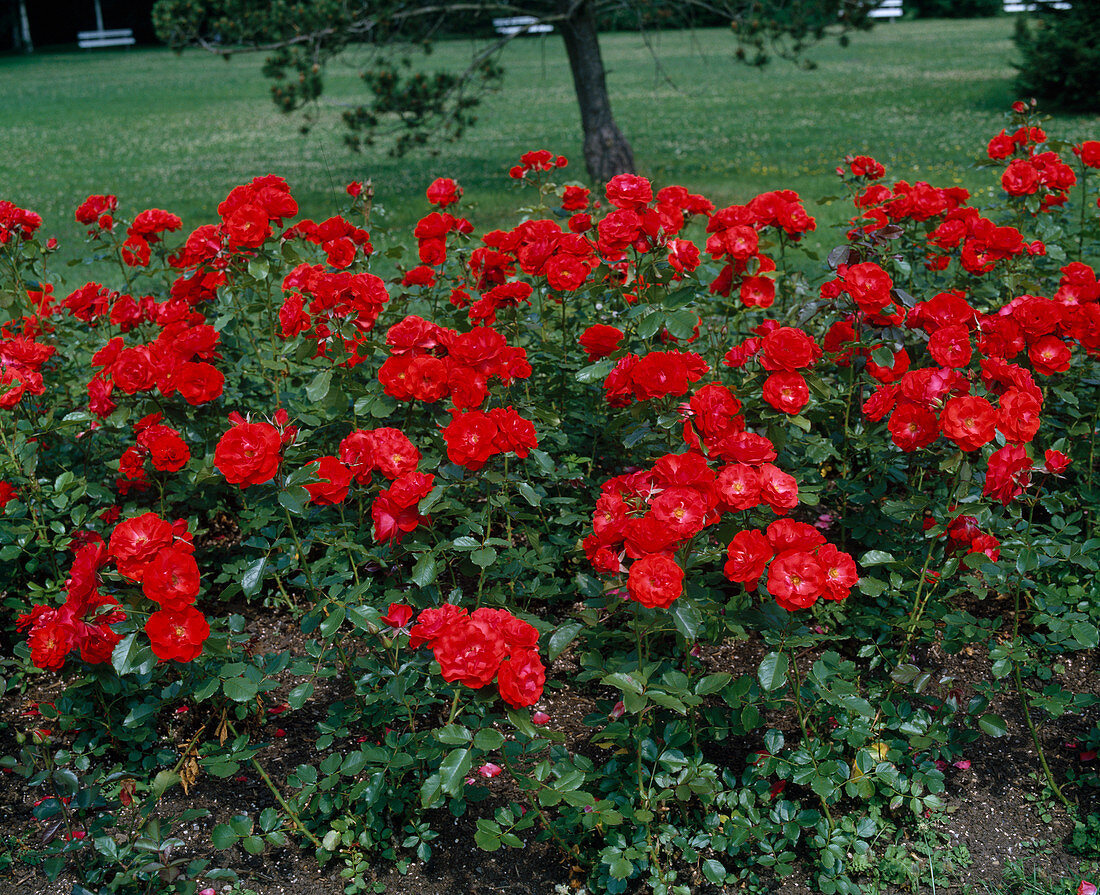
x: 623, y: 432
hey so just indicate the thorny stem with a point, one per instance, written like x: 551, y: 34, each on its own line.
x: 279, y: 798
x: 796, y: 692
x: 1018, y: 678
x: 568, y: 848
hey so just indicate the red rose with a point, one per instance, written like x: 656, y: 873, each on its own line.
x: 840, y: 572
x: 747, y: 555
x: 788, y: 349
x: 950, y: 346
x: 1049, y: 355
x: 521, y: 678
x: 443, y: 192
x: 778, y: 489
x: 969, y: 421
x: 739, y: 486
x: 1018, y: 415
x: 655, y: 581
x: 796, y: 579
x: 172, y: 579
x: 249, y: 454
x: 912, y: 427
x: 334, y: 478
x: 178, y: 634
x: 600, y: 340
x: 198, y: 382
x: 471, y: 439
x: 397, y: 616
x: 786, y: 392
x: 135, y: 542
x: 1020, y: 178
x: 431, y: 623
x: 1007, y: 474
x: 470, y: 652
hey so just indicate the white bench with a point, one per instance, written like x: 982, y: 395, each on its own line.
x: 1016, y: 6
x: 887, y: 9
x: 523, y: 25
x: 118, y: 37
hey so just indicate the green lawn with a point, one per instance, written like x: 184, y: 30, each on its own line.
x: 178, y: 132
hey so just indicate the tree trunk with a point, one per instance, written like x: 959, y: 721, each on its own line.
x: 606, y: 150
x: 24, y: 32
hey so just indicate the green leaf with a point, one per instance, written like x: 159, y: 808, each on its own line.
x: 681, y: 324
x: 649, y: 325
x: 294, y: 499
x: 712, y: 683
x: 529, y: 494
x: 687, y: 617
x: 223, y: 837
x: 714, y: 871
x: 876, y: 558
x: 561, y: 638
x: 453, y: 771
x: 132, y: 656
x: 489, y: 740
x: 624, y: 682
x: 453, y: 735
x: 994, y: 725
x: 1085, y: 634
x: 883, y: 356
x: 773, y: 671
x: 253, y: 577
x: 240, y: 689
x: 297, y: 697
x: 430, y: 791
x: 332, y: 622
x: 318, y: 388
x: 425, y: 570
x: 124, y: 654
x: 595, y: 372
x: 872, y: 587
x: 484, y: 557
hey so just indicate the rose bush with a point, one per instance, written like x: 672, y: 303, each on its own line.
x: 608, y: 447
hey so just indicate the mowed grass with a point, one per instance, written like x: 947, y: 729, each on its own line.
x: 178, y: 132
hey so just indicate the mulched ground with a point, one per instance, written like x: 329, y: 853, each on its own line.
x: 993, y: 808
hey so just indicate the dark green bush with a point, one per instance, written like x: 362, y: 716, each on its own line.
x: 1061, y: 56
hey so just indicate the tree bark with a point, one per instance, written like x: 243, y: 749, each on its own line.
x: 24, y: 43
x: 606, y: 150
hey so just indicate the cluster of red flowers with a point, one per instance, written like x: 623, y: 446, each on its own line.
x: 395, y: 509
x: 803, y: 566
x: 340, y: 240
x: 649, y: 515
x: 17, y: 222
x: 983, y: 243
x: 84, y: 621
x: 163, y: 445
x: 537, y: 160
x: 735, y: 237
x: 963, y: 535
x: 247, y: 214
x: 473, y: 437
x: 176, y: 362
x: 319, y: 303
x: 476, y: 648
x: 97, y: 213
x: 159, y: 556
x: 21, y: 361
x: 146, y: 230
x: 429, y: 362
x: 659, y: 374
x: 782, y: 351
